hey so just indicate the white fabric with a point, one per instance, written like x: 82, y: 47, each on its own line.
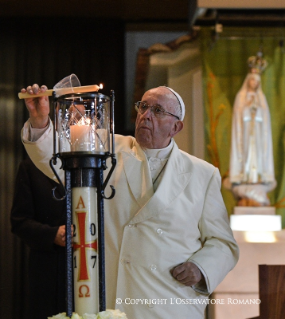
x: 36, y: 133
x: 257, y: 192
x: 147, y: 233
x: 160, y: 153
x: 38, y: 148
x: 251, y: 145
x: 157, y: 159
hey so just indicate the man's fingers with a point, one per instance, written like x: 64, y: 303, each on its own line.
x: 177, y: 270
x: 29, y: 90
x: 187, y: 273
x: 35, y: 88
x: 185, y: 277
x: 182, y: 276
x: 43, y: 88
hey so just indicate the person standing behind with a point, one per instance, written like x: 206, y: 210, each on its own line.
x: 39, y: 221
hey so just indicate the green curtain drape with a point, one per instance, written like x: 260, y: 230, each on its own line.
x: 224, y: 69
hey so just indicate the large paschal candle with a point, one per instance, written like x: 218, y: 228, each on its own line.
x: 85, y: 250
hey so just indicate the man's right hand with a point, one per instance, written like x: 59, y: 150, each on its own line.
x: 60, y: 235
x: 38, y: 107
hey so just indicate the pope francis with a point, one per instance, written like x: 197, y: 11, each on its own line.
x: 168, y: 240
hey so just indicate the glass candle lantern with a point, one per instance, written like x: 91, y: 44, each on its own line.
x: 84, y: 140
x: 83, y: 123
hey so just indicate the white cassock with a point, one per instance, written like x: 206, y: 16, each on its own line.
x: 251, y: 160
x: 149, y: 232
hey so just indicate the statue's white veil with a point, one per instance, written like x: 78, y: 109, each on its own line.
x: 239, y: 139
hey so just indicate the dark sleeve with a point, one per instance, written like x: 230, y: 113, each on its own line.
x: 35, y: 218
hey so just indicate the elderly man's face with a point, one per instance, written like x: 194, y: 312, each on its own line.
x: 156, y: 132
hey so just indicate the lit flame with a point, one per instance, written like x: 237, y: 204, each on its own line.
x: 100, y: 86
x: 81, y: 122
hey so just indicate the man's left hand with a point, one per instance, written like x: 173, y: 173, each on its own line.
x: 187, y: 273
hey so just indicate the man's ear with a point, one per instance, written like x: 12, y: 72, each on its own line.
x: 178, y: 126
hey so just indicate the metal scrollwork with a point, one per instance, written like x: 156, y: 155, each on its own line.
x: 114, y: 162
x: 53, y: 162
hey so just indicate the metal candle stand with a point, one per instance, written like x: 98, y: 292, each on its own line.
x: 84, y: 169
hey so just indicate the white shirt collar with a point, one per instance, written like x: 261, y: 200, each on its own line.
x: 160, y: 153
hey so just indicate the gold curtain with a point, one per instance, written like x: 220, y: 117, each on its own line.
x: 143, y: 59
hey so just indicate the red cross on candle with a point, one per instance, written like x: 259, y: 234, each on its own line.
x: 82, y: 246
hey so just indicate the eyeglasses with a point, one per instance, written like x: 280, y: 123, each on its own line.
x: 157, y: 110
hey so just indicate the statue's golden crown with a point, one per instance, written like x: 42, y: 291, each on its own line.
x: 256, y: 63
